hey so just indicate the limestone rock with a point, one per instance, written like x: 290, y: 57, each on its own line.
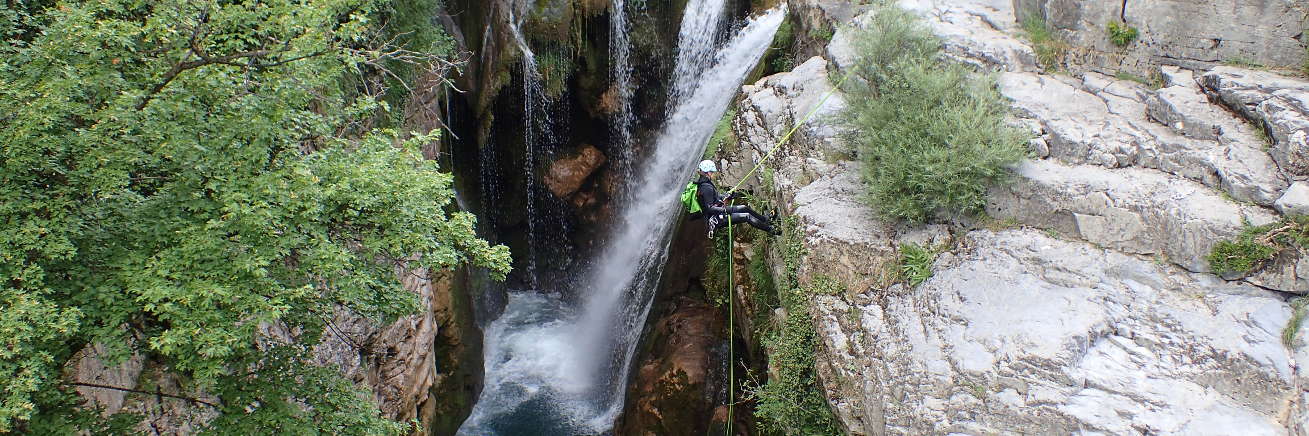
x: 1295, y: 201
x: 1023, y: 333
x: 566, y: 175
x: 1133, y: 210
x: 1188, y: 33
x: 1103, y: 121
x: 90, y: 367
x: 1278, y: 104
x: 977, y: 32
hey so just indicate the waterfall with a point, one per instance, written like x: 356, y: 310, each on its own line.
x: 536, y: 124
x: 620, y: 73
x: 695, y: 44
x: 555, y: 369
x: 623, y: 284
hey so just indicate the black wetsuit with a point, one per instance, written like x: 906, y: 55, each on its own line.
x: 716, y: 211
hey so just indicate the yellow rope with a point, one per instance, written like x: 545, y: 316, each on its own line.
x: 731, y: 289
x: 788, y: 134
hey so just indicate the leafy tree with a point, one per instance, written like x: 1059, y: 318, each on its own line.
x: 195, y: 181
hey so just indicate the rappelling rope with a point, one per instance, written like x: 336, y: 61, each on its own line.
x: 731, y: 289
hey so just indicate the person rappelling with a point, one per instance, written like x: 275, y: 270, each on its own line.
x: 702, y: 199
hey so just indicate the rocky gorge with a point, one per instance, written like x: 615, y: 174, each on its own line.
x: 1083, y: 301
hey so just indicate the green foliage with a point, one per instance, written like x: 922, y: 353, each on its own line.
x: 1304, y: 67
x: 723, y: 138
x: 1239, y: 256
x: 1121, y: 34
x: 1049, y: 48
x: 1244, y: 62
x: 557, y: 67
x: 823, y: 33
x: 916, y: 263
x: 1299, y: 307
x: 717, y: 266
x: 409, y: 25
x: 1258, y: 244
x: 765, y: 296
x: 780, y: 56
x: 932, y: 134
x: 179, y: 180
x: 793, y: 401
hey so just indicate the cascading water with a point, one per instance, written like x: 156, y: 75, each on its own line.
x: 695, y: 44
x: 552, y: 369
x: 535, y: 123
x: 623, y: 285
x: 620, y: 73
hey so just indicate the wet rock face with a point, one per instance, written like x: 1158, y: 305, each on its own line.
x: 673, y: 389
x: 1188, y: 33
x: 567, y: 174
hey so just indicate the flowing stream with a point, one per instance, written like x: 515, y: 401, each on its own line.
x: 558, y: 368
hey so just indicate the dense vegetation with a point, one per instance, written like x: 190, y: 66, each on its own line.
x: 198, y: 182
x: 791, y: 401
x: 931, y: 132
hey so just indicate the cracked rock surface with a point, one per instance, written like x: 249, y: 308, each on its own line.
x: 1090, y: 308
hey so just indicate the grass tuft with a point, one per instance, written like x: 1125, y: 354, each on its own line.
x: 916, y: 263
x: 1050, y: 50
x: 1298, y: 310
x: 1122, y: 34
x: 1256, y: 245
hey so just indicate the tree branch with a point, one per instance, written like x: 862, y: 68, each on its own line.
x: 138, y: 391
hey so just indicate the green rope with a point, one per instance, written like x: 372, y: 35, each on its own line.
x: 731, y: 289
x: 731, y: 333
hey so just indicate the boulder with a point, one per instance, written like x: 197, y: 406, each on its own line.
x: 978, y: 32
x: 1027, y: 334
x: 566, y: 175
x: 91, y: 366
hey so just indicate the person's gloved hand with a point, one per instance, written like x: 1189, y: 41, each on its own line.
x: 739, y: 194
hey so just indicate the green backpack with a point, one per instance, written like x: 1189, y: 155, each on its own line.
x: 688, y: 198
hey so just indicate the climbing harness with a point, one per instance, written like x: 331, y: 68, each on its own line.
x: 731, y: 288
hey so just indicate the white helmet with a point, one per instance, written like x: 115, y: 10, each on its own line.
x: 707, y: 166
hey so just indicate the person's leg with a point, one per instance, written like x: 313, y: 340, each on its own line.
x: 741, y: 208
x: 755, y: 220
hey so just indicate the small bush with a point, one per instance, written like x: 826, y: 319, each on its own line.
x: 1122, y: 34
x: 1240, y: 256
x: 916, y: 263
x: 1257, y: 245
x: 823, y: 33
x: 1049, y: 48
x: 1155, y: 81
x: 932, y: 134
